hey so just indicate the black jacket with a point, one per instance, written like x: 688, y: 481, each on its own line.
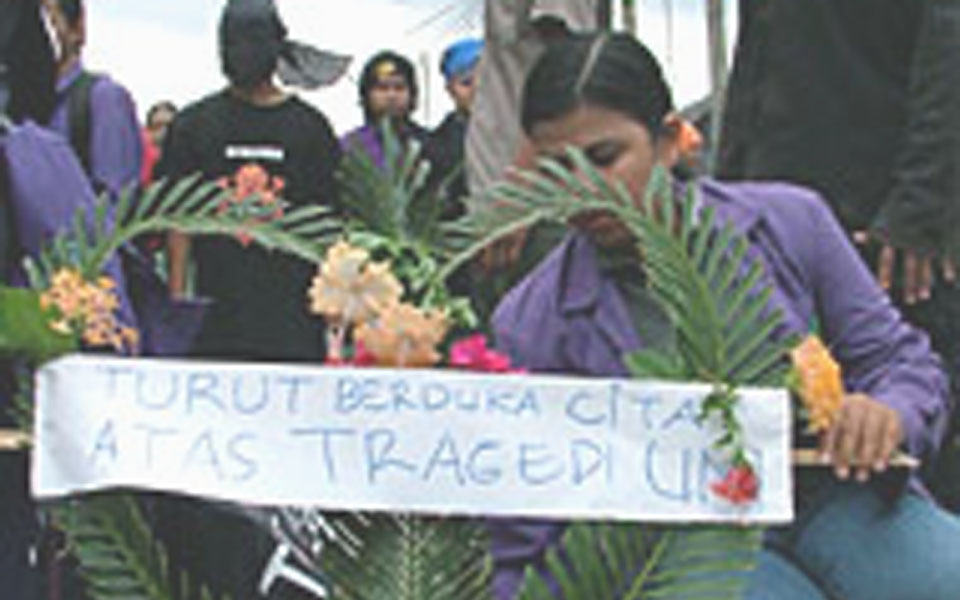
x: 445, y: 150
x: 859, y: 99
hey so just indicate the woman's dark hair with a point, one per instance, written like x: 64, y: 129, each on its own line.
x: 369, y: 76
x: 72, y: 10
x: 27, y: 70
x: 613, y: 71
x: 166, y: 105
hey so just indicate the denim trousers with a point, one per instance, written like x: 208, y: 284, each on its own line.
x: 855, y: 544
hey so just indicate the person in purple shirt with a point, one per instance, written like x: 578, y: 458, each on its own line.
x: 860, y: 533
x: 388, y: 94
x: 94, y: 112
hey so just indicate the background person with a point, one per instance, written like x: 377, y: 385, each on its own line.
x: 266, y: 144
x: 445, y: 145
x: 388, y: 95
x: 94, y: 112
x: 860, y: 100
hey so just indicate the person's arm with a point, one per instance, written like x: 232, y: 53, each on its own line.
x: 176, y: 162
x: 887, y: 364
x: 331, y: 149
x: 178, y: 259
x: 116, y: 150
x: 920, y: 214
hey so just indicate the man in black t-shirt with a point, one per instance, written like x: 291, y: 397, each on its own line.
x: 255, y: 138
x: 274, y: 152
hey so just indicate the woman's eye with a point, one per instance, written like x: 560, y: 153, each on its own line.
x: 603, y: 155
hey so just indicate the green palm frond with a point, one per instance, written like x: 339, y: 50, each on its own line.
x: 408, y: 557
x: 392, y: 199
x: 698, y: 269
x: 189, y: 206
x: 395, y: 211
x: 119, y: 558
x: 634, y: 562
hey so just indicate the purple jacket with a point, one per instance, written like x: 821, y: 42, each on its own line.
x: 46, y: 189
x: 116, y: 145
x: 367, y: 138
x: 567, y: 317
x: 364, y: 138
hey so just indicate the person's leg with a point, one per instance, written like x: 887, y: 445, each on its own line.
x: 858, y: 546
x: 19, y: 530
x: 776, y: 578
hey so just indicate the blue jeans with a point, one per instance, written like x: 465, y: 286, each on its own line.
x: 854, y: 545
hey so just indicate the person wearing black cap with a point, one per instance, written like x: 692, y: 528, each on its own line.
x: 388, y: 95
x: 254, y: 132
x: 258, y: 137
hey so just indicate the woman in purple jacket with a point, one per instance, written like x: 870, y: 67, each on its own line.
x: 858, y: 535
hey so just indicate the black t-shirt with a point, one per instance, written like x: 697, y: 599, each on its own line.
x: 260, y: 297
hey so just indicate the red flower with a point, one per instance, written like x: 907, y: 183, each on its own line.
x: 361, y: 358
x: 739, y: 486
x: 472, y: 354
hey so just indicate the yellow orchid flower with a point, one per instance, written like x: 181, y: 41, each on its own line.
x: 404, y: 336
x: 818, y: 382
x: 350, y: 288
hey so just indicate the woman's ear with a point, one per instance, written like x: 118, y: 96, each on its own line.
x: 668, y: 143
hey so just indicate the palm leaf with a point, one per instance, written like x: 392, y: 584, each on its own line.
x: 119, y: 558
x: 187, y: 205
x: 407, y: 557
x: 395, y: 212
x: 647, y: 562
x: 391, y: 199
x: 700, y: 272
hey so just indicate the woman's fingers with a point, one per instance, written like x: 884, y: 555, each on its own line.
x: 862, y: 439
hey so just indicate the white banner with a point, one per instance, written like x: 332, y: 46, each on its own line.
x: 439, y: 442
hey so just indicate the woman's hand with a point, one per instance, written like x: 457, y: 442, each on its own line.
x: 862, y: 438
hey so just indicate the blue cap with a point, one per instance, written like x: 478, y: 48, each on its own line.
x: 460, y: 57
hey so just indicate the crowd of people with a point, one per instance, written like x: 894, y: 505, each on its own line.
x: 844, y: 115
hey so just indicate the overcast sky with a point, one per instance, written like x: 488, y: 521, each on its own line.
x: 167, y: 49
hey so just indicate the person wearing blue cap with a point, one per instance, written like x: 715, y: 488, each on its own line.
x: 445, y: 146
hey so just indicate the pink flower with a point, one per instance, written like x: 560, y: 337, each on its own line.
x: 739, y: 486
x: 361, y: 358
x: 472, y: 354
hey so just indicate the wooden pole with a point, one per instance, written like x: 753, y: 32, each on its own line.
x: 717, y: 39
x: 604, y: 14
x: 630, y: 16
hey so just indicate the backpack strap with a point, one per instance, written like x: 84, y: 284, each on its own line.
x: 79, y: 116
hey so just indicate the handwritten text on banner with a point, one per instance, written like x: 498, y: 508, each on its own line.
x: 423, y: 441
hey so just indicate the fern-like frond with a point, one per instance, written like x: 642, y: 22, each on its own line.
x: 639, y: 562
x: 391, y: 199
x: 119, y: 557
x: 189, y: 206
x: 697, y: 268
x: 408, y: 557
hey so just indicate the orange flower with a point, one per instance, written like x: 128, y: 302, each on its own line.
x: 349, y: 287
x: 87, y: 309
x: 404, y: 336
x: 254, y: 197
x: 818, y: 382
